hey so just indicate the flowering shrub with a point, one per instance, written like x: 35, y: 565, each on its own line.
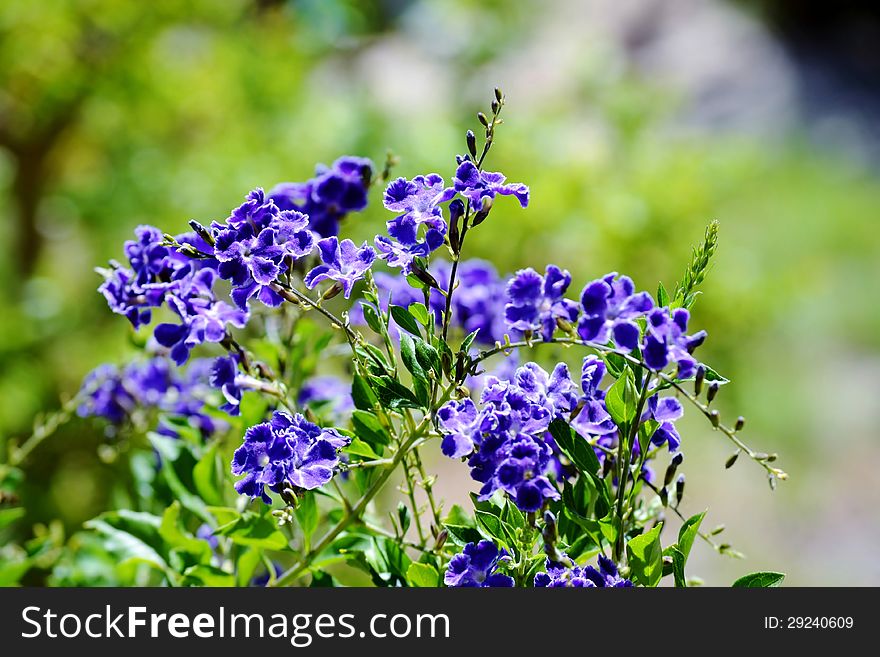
x: 274, y: 466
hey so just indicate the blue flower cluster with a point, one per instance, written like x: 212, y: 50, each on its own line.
x: 286, y: 452
x: 115, y: 393
x: 419, y: 228
x: 506, y: 440
x: 561, y: 575
x: 257, y: 243
x: 326, y: 199
x: 158, y: 275
x: 609, y: 310
x: 476, y: 565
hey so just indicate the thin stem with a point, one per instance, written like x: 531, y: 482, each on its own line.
x: 358, y: 509
x: 624, y: 452
x: 428, y: 485
x: 411, y: 494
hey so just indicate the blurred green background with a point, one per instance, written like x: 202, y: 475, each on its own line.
x: 633, y: 126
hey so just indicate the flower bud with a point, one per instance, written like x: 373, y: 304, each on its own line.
x: 422, y: 274
x: 482, y: 119
x: 201, y: 231
x: 471, y: 142
x: 713, y: 390
x: 495, y: 107
x: 740, y: 423
x: 480, y: 217
x: 498, y: 95
x: 698, y: 380
x: 441, y: 539
x: 730, y: 461
x: 332, y: 292
x: 715, y: 418
x: 679, y: 489
x: 664, y: 496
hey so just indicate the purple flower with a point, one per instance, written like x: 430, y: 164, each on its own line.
x: 205, y: 533
x: 665, y: 411
x: 327, y: 198
x: 256, y: 211
x: 593, y: 418
x: 327, y: 391
x: 478, y: 186
x: 255, y: 245
x: 416, y: 198
x: 405, y: 244
x: 288, y: 451
x: 154, y: 273
x: 569, y: 574
x: 505, y: 436
x: 478, y: 302
x: 224, y: 374
x: 460, y: 424
x: 475, y: 566
x: 203, y: 318
x: 535, y: 302
x: 117, y: 393
x: 343, y: 262
x: 666, y: 341
x: 521, y: 473
x: 610, y: 305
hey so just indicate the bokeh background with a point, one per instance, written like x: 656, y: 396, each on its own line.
x: 633, y: 123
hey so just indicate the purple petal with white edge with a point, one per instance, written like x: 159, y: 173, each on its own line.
x: 456, y: 445
x: 316, y: 275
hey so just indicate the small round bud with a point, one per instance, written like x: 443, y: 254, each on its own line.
x: 482, y: 119
x: 498, y: 95
x: 715, y: 418
x: 740, y: 423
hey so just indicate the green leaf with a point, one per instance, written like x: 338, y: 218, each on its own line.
x: 408, y: 355
x: 621, y: 399
x: 420, y: 313
x: 132, y: 536
x: 427, y: 356
x: 363, y: 396
x: 369, y: 429
x: 246, y: 566
x: 178, y: 463
x: 760, y: 580
x: 393, y: 394
x: 358, y: 447
x: 8, y: 516
x: 662, y: 296
x: 688, y: 532
x: 307, y: 514
x: 645, y: 556
x: 174, y: 535
x: 405, y: 320
x: 207, y: 478
x: 575, y: 446
x: 255, y: 530
x: 208, y: 576
x: 463, y: 534
x: 678, y: 561
x: 468, y: 341
x: 372, y: 318
x: 423, y: 575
